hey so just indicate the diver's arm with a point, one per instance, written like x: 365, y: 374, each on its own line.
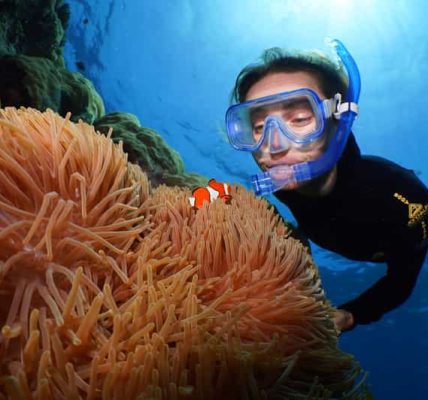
x: 391, y: 290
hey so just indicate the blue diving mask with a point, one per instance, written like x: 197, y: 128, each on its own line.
x: 279, y: 121
x: 295, y: 119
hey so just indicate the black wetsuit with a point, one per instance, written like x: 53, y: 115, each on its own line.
x: 377, y: 211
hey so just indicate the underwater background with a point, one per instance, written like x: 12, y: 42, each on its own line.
x: 173, y: 64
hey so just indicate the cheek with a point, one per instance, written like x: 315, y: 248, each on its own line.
x: 315, y: 152
x: 317, y: 147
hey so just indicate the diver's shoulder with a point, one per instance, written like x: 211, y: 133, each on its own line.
x: 377, y: 175
x: 375, y: 166
x: 376, y: 179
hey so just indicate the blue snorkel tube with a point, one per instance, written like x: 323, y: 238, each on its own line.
x: 288, y: 175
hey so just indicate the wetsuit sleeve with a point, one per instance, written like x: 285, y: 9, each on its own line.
x: 391, y: 290
x: 402, y: 201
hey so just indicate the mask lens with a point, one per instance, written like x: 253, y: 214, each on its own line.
x: 298, y: 113
x: 300, y: 117
x: 240, y: 128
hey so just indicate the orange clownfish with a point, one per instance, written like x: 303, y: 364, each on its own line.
x: 214, y: 190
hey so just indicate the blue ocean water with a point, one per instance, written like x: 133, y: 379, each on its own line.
x: 173, y: 63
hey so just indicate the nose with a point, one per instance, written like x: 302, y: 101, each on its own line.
x: 276, y: 141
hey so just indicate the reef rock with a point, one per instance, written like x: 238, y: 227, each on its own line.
x: 34, y: 28
x: 147, y: 148
x: 38, y: 83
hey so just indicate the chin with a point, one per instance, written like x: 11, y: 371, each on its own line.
x: 320, y: 186
x: 293, y: 186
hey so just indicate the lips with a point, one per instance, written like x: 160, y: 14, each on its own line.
x: 267, y: 162
x: 281, y: 163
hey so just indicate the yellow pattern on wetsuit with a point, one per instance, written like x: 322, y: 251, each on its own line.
x: 417, y: 212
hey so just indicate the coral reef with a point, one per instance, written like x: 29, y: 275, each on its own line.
x: 34, y: 28
x: 111, y: 289
x: 146, y: 147
x: 32, y: 68
x: 38, y: 83
x: 33, y: 74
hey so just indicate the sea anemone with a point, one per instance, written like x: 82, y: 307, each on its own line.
x: 111, y: 289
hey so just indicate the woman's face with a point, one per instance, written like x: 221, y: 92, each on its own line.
x: 285, y: 82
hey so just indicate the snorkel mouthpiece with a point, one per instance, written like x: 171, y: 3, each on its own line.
x: 272, y: 180
x: 279, y: 177
x: 263, y: 184
x: 288, y: 176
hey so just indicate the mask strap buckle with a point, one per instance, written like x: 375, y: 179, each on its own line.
x: 343, y: 107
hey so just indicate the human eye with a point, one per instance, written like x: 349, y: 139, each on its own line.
x: 302, y: 119
x: 299, y: 113
x: 257, y: 121
x: 258, y: 128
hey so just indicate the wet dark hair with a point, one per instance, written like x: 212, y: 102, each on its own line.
x: 330, y: 77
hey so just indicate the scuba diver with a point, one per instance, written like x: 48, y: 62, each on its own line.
x: 294, y: 113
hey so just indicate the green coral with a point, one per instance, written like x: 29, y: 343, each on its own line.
x: 38, y: 83
x: 34, y: 28
x: 32, y: 68
x: 146, y: 147
x: 33, y: 74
